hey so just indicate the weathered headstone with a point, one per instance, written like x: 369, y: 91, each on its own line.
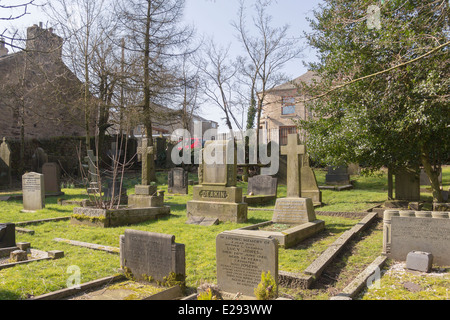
x: 115, y: 154
x: 147, y: 157
x: 7, y: 235
x: 33, y: 189
x: 91, y: 161
x: 151, y: 255
x: 419, y: 261
x: 309, y: 186
x: 38, y: 159
x: 217, y: 196
x: 114, y: 191
x: 178, y: 181
x: 52, y: 174
x: 425, y: 181
x: 418, y: 232
x: 241, y: 259
x: 337, y: 176
x: 293, y: 209
x: 262, y: 185
x: 5, y: 164
x: 353, y: 169
x: 160, y: 152
x: 407, y: 185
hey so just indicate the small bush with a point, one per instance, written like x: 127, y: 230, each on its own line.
x: 267, y: 288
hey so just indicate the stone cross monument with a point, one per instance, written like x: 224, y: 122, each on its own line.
x: 146, y: 153
x: 294, y: 209
x: 294, y: 152
x: 146, y: 194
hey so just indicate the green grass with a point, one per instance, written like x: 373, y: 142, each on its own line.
x: 42, y: 277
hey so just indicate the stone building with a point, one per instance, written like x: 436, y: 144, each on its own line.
x: 39, y: 95
x: 281, y: 105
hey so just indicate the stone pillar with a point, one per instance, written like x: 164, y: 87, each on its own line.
x: 388, y: 214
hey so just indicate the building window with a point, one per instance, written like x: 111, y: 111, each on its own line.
x: 284, y: 132
x: 288, y: 105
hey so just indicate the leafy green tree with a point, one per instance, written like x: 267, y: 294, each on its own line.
x: 382, y: 97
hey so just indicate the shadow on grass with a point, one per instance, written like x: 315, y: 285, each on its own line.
x: 8, y: 295
x: 340, y: 264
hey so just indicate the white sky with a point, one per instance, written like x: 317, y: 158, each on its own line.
x: 213, y: 18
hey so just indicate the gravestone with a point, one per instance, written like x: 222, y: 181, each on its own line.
x: 262, y: 185
x: 217, y: 195
x: 309, y: 186
x: 407, y: 185
x: 52, y: 174
x: 241, y: 259
x: 337, y: 175
x: 115, y: 154
x: 419, y: 261
x: 178, y: 181
x: 7, y: 235
x: 425, y: 181
x: 38, y: 159
x: 353, y: 169
x: 5, y: 164
x: 294, y: 209
x: 33, y: 189
x: 113, y: 190
x: 160, y: 145
x: 91, y: 166
x: 416, y: 231
x: 146, y: 194
x: 155, y: 255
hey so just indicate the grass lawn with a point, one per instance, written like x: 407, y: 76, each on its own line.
x: 38, y: 278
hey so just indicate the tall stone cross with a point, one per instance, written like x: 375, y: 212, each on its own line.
x: 92, y: 168
x: 294, y: 151
x: 146, y: 153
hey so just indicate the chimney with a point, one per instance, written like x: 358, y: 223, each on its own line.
x: 43, y: 41
x: 3, y: 49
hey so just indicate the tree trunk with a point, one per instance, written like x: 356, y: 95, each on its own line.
x: 390, y: 185
x: 147, y: 112
x: 432, y: 175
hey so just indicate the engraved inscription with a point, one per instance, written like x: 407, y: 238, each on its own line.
x: 213, y: 194
x: 148, y: 255
x: 241, y: 260
x: 31, y: 184
x: 421, y: 234
x: 291, y: 211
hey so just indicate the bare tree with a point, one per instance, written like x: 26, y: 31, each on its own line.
x: 220, y: 72
x: 268, y: 50
x: 13, y: 10
x: 152, y: 30
x: 79, y: 22
x: 190, y: 85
